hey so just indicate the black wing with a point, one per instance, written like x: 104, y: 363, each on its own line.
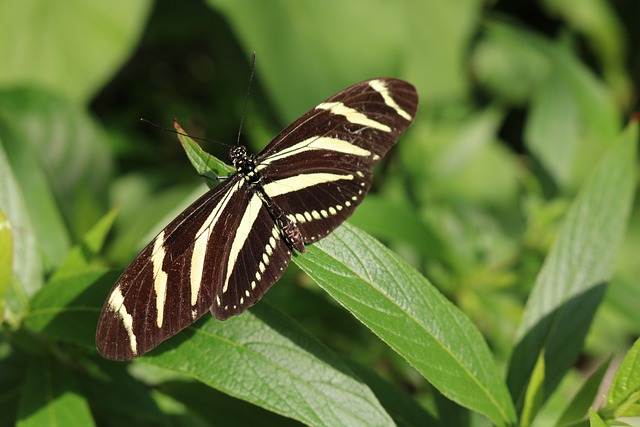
x: 319, y: 168
x: 199, y: 262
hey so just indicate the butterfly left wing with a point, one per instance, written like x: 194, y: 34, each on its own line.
x: 319, y: 168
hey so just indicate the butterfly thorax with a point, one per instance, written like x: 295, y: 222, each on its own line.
x: 245, y: 165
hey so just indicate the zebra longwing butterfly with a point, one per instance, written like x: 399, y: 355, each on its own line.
x: 230, y: 246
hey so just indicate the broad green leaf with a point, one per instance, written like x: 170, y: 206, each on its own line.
x: 79, y: 259
x: 117, y: 398
x: 398, y: 223
x: 577, y: 408
x: 534, y: 396
x: 404, y: 410
x: 27, y: 265
x: 260, y: 357
x: 6, y: 258
x: 13, y: 366
x: 413, y: 317
x: 623, y: 399
x: 264, y: 358
x: 67, y: 309
x: 84, y: 44
x: 207, y: 165
x: 573, y: 279
x: 62, y: 162
x: 204, y: 401
x: 595, y: 420
x: 50, y: 397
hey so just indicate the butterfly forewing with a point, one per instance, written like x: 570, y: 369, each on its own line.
x: 319, y: 168
x: 230, y: 246
x: 171, y: 283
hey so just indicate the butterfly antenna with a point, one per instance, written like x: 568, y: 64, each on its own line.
x: 246, y: 98
x: 142, y: 119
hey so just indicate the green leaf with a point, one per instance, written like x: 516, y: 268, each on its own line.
x: 6, y: 257
x: 573, y: 279
x: 403, y: 408
x: 535, y: 393
x: 398, y: 223
x: 79, y: 259
x: 624, y: 395
x: 85, y: 43
x: 410, y: 315
x: 62, y: 162
x: 204, y: 401
x: 67, y: 309
x: 207, y: 165
x: 577, y: 408
x: 50, y: 397
x: 595, y: 420
x: 27, y: 265
x: 264, y: 358
x: 116, y: 397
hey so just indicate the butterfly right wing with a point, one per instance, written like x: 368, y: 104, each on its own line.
x: 318, y: 169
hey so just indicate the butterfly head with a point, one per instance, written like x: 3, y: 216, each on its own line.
x: 244, y: 163
x: 237, y: 154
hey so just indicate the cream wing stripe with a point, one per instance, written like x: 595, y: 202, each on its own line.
x: 242, y: 234
x: 116, y: 304
x: 202, y: 240
x: 159, y: 277
x: 299, y: 182
x: 381, y: 87
x: 352, y: 115
x: 316, y: 143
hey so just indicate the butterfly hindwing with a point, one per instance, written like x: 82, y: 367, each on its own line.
x: 258, y: 258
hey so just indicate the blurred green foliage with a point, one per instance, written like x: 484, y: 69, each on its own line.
x: 511, y: 196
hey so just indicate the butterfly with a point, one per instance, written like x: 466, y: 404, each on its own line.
x: 223, y: 252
